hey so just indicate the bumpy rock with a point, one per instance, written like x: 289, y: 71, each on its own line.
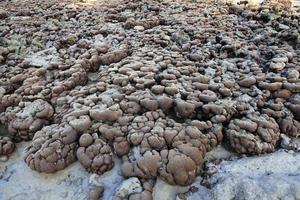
x: 165, y: 143
x: 96, y: 193
x: 253, y: 134
x: 6, y: 146
x: 289, y: 126
x: 128, y: 187
x: 53, y: 148
x: 153, y: 83
x: 94, y: 154
x: 29, y: 117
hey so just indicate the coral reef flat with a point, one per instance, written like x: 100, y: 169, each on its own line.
x: 149, y: 99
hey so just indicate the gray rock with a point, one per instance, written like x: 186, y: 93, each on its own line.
x: 283, y: 27
x: 165, y: 191
x: 267, y: 177
x: 180, y: 37
x: 129, y: 186
x: 43, y: 58
x: 18, y: 181
x: 139, y: 28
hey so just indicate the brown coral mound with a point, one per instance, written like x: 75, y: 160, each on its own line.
x: 156, y: 84
x: 94, y: 154
x: 53, y: 148
x: 27, y: 118
x: 253, y: 134
x: 6, y: 146
x: 161, y: 144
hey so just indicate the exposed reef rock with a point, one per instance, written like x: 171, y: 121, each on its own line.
x: 53, y: 148
x: 6, y: 146
x: 94, y: 154
x: 27, y: 118
x: 253, y: 134
x: 269, y: 176
x: 154, y: 84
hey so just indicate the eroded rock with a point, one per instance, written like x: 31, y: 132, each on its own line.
x: 53, y: 148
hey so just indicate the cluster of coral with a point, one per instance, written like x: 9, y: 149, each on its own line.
x: 156, y: 83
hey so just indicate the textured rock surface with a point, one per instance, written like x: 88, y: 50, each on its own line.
x: 18, y: 182
x: 128, y: 187
x: 272, y: 176
x: 147, y: 88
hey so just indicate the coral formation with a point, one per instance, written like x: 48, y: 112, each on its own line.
x: 6, y: 146
x: 53, y: 148
x: 141, y: 82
